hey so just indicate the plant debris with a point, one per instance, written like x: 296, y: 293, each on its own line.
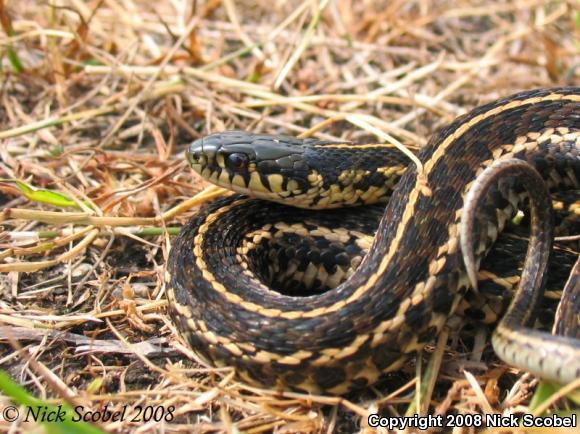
x: 98, y: 101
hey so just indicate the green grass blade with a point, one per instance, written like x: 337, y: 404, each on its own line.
x: 20, y: 396
x: 43, y: 196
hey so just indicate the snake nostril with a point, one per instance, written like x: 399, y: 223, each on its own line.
x: 195, y: 151
x: 191, y: 157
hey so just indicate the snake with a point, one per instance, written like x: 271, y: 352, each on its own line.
x: 333, y: 262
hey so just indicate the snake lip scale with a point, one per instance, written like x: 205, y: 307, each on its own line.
x: 389, y: 295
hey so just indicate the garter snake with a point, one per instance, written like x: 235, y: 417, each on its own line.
x: 412, y: 277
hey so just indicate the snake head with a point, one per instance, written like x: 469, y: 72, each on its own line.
x: 259, y: 165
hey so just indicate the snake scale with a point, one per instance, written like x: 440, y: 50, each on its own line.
x: 303, y: 297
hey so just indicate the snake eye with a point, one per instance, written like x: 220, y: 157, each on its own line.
x: 237, y: 161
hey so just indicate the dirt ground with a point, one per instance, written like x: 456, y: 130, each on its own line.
x: 98, y: 100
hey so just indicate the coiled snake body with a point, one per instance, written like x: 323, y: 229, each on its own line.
x: 413, y: 275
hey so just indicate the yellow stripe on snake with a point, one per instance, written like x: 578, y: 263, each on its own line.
x: 304, y: 299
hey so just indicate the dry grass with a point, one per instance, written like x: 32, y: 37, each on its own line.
x: 99, y: 99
